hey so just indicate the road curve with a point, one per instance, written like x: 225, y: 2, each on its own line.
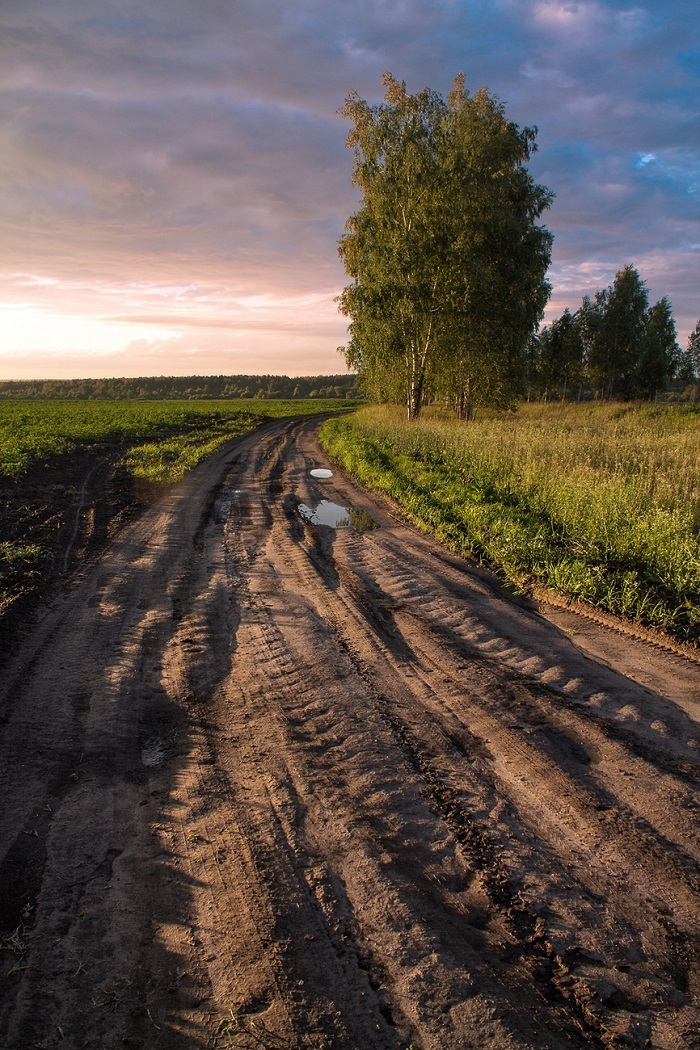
x: 269, y: 784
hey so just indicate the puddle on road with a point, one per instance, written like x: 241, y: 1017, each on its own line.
x: 336, y: 517
x: 321, y: 472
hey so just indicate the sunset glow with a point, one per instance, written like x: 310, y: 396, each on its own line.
x: 174, y: 181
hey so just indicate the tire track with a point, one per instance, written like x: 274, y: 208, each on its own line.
x: 318, y: 788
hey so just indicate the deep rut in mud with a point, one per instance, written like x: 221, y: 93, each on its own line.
x: 274, y: 784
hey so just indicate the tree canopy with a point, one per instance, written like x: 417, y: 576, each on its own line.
x: 615, y: 345
x: 614, y: 325
x: 689, y: 361
x: 446, y: 260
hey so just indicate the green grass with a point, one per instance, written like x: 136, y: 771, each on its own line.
x: 600, y: 502
x: 34, y: 432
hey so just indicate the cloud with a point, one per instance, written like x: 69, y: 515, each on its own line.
x: 169, y: 163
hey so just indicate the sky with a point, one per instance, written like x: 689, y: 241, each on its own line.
x: 174, y: 178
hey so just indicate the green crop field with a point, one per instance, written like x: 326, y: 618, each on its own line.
x: 155, y: 441
x: 165, y: 438
x: 600, y: 502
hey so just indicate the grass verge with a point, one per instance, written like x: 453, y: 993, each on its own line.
x: 599, y: 502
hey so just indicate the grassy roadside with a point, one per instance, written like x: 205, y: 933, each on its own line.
x: 599, y: 502
x: 48, y: 449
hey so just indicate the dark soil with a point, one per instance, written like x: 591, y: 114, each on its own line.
x: 72, y: 507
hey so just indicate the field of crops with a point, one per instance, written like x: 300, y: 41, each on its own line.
x: 600, y: 502
x: 165, y: 438
x: 157, y: 442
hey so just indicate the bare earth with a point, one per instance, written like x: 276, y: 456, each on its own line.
x: 335, y: 789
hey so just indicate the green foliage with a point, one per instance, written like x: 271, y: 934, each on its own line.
x: 19, y: 563
x: 693, y: 351
x: 689, y: 360
x: 614, y: 326
x: 616, y: 345
x: 599, y: 501
x: 446, y: 260
x: 394, y: 249
x: 658, y: 352
x: 556, y: 363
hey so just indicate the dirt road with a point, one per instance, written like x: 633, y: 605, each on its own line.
x: 332, y: 788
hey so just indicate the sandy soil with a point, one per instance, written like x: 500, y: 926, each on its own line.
x: 267, y: 784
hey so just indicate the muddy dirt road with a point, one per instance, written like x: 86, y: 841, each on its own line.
x: 332, y: 788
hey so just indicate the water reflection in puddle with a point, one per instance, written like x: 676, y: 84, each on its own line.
x: 337, y: 517
x: 321, y: 472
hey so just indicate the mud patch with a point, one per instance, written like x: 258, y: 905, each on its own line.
x: 222, y: 509
x: 153, y: 753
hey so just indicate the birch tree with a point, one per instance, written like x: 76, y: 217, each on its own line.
x: 446, y: 259
x: 393, y: 247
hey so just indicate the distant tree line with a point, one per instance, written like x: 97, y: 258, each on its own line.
x: 183, y: 388
x: 615, y: 347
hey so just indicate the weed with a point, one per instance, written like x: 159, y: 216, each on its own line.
x: 246, y: 1033
x: 15, y: 941
x: 113, y: 1001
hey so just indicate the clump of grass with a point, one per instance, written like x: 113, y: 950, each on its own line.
x: 16, y: 943
x: 600, y: 502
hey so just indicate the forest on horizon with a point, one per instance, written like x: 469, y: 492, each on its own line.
x: 183, y: 388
